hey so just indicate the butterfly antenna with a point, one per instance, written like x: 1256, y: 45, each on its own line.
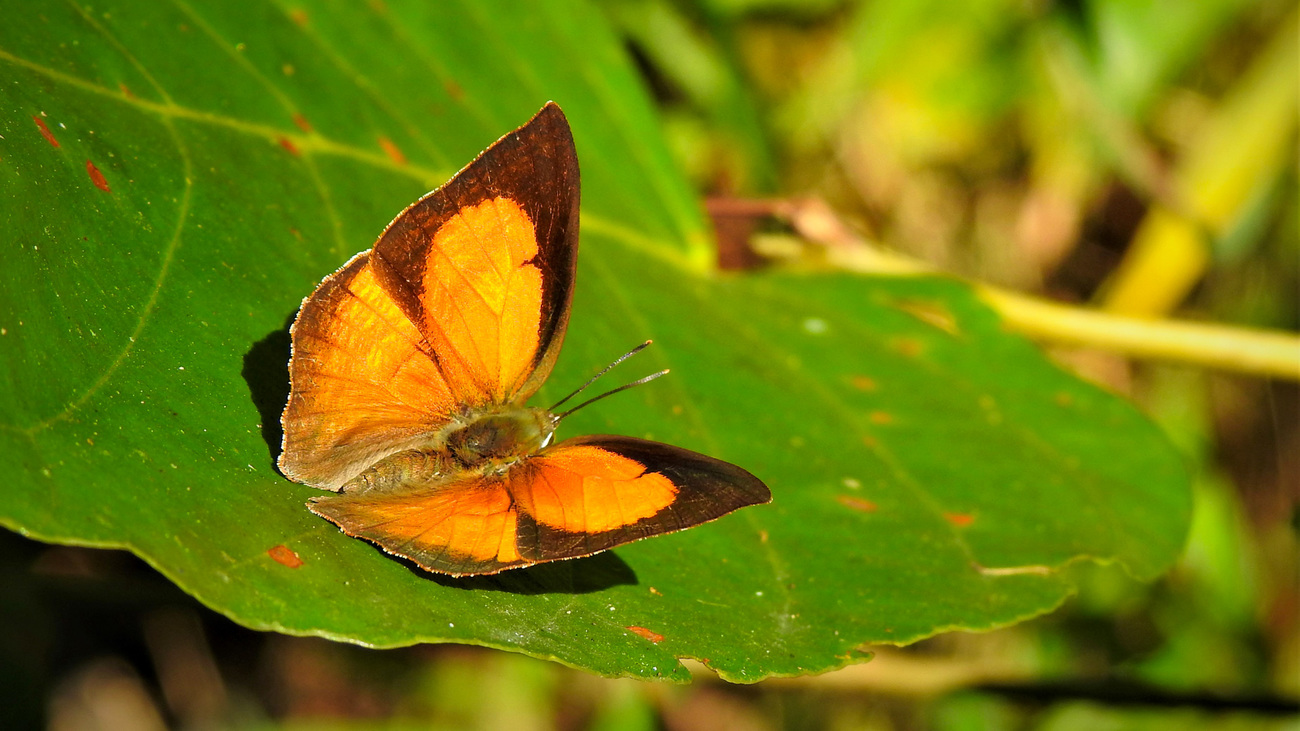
x: 620, y: 359
x: 625, y: 387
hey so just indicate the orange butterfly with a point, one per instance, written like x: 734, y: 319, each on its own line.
x: 412, y: 363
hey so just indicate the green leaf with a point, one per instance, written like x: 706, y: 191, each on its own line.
x: 929, y: 471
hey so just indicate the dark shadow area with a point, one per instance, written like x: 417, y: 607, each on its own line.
x: 570, y: 576
x: 266, y: 371
x: 76, y: 617
x: 87, y: 626
x: 1130, y: 693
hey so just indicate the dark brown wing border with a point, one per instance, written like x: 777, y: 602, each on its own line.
x: 536, y: 166
x: 707, y: 489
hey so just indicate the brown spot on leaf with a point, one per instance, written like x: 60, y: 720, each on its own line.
x: 656, y: 592
x: 961, y: 520
x: 762, y: 536
x: 45, y: 131
x: 881, y: 417
x: 97, y: 177
x: 126, y: 91
x: 299, y: 17
x: 287, y: 144
x: 651, y: 635
x: 393, y: 152
x: 870, y: 441
x: 856, y: 503
x: 282, y: 554
x: 302, y: 122
x: 864, y: 383
x: 454, y: 90
x: 1064, y: 399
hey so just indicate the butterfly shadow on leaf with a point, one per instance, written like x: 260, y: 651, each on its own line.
x: 573, y: 576
x: 266, y: 371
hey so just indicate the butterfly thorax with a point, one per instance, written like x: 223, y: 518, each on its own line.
x: 485, y: 442
x: 499, y: 437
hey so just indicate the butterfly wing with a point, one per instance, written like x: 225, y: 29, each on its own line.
x: 589, y: 494
x: 463, y: 527
x: 364, y: 382
x: 574, y: 499
x: 463, y: 302
x: 484, y: 266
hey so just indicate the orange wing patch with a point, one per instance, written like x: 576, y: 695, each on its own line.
x: 586, y: 489
x: 364, y: 382
x: 482, y: 298
x: 465, y: 527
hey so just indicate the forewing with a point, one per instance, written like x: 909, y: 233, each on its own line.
x: 363, y: 381
x: 462, y: 527
x: 484, y: 266
x: 462, y: 303
x: 589, y: 494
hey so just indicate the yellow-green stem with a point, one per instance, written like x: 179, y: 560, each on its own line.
x: 1268, y: 353
x: 1260, y: 352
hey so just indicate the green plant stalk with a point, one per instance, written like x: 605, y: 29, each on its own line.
x: 1269, y: 353
x: 1247, y: 350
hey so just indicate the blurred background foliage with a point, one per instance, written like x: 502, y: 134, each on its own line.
x: 1138, y: 156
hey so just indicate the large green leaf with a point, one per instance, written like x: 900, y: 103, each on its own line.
x: 929, y: 471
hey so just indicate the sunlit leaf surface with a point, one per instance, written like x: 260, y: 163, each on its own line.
x: 175, y: 177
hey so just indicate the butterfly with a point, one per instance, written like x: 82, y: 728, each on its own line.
x: 412, y: 364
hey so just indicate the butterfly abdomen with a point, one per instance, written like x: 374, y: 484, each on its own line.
x: 404, y: 470
x: 486, y: 443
